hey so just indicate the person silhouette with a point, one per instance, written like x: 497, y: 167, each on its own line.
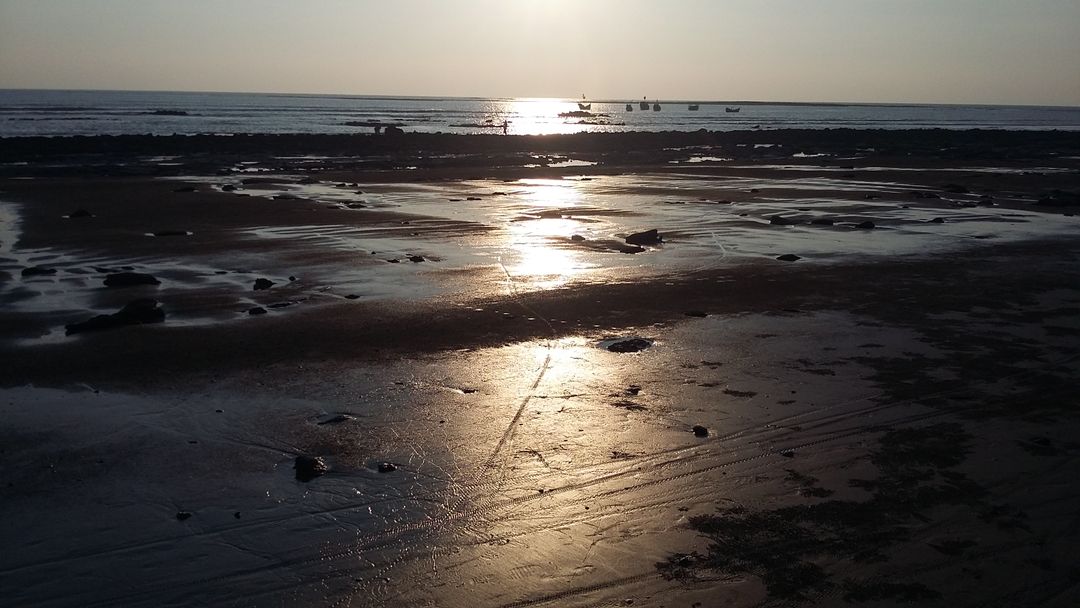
x: 506, y: 126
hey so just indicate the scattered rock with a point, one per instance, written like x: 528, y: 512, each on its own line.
x: 171, y: 233
x: 130, y: 279
x: 38, y: 271
x: 387, y: 467
x: 822, y: 221
x: 258, y: 310
x: 787, y: 453
x: 789, y: 257
x: 392, y: 130
x: 868, y: 225
x: 228, y: 188
x: 937, y: 220
x: 182, y: 515
x: 136, y: 312
x: 309, y: 467
x: 416, y: 259
x: 261, y: 284
x: 648, y: 237
x: 631, y: 345
x: 701, y: 314
x: 777, y: 220
x: 80, y: 213
x: 700, y: 431
x: 472, y: 198
x: 631, y: 249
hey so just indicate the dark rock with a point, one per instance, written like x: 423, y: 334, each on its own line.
x: 631, y: 345
x: 352, y: 296
x: 392, y: 130
x: 337, y: 419
x: 472, y: 198
x: 754, y: 191
x: 292, y: 278
x: 387, y: 467
x: 185, y: 189
x: 700, y: 431
x: 136, y: 312
x: 701, y: 314
x: 38, y: 271
x: 866, y: 225
x: 631, y: 249
x: 787, y: 453
x: 577, y: 238
x: 309, y: 467
x: 789, y: 257
x: 955, y: 189
x: 130, y: 279
x: 937, y: 220
x: 1059, y: 198
x: 925, y: 195
x: 822, y: 221
x: 171, y: 233
x: 80, y: 213
x: 182, y: 515
x: 261, y: 284
x: 258, y: 310
x: 168, y: 113
x: 236, y: 515
x: 648, y: 237
x: 777, y: 220
x: 416, y: 259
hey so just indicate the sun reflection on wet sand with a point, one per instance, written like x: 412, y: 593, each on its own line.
x: 538, y: 243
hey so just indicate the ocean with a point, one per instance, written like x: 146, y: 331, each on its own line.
x: 58, y: 113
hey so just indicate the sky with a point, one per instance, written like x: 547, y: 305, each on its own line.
x: 929, y: 51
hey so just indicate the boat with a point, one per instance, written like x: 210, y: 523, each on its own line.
x: 732, y: 110
x: 644, y: 104
x: 692, y: 107
x: 656, y: 107
x: 584, y: 106
x: 629, y: 107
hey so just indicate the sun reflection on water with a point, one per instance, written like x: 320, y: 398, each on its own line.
x: 538, y: 116
x: 539, y: 243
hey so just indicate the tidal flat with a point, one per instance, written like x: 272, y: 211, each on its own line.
x: 425, y: 370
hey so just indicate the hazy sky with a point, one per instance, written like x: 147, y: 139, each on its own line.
x: 950, y: 51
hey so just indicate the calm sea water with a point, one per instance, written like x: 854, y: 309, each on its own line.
x: 25, y: 112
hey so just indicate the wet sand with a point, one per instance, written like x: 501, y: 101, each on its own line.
x: 890, y: 418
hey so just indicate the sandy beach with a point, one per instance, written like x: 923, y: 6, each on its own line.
x: 845, y: 374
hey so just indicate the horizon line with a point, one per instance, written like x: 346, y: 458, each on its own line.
x: 567, y: 99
